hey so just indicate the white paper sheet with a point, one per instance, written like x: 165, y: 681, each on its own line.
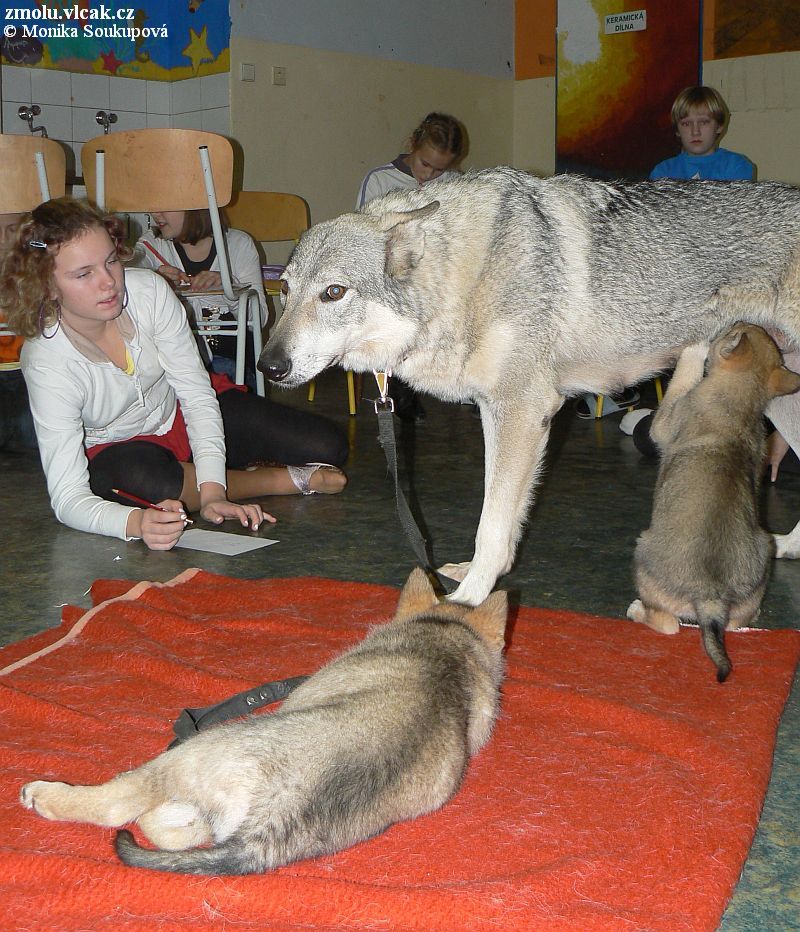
x: 219, y: 542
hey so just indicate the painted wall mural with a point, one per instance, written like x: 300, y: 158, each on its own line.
x: 615, y: 91
x: 157, y: 40
x: 742, y: 27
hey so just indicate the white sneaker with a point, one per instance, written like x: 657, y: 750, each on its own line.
x: 632, y: 418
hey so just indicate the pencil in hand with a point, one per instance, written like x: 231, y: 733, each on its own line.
x: 145, y: 504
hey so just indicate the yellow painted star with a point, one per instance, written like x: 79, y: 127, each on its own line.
x: 197, y: 50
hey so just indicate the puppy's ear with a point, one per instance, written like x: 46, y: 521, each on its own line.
x: 417, y: 596
x: 735, y: 350
x: 734, y: 345
x: 405, y: 244
x: 783, y: 382
x: 489, y: 619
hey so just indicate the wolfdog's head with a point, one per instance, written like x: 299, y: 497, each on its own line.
x: 346, y: 293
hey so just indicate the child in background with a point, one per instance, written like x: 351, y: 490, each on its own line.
x: 16, y: 423
x: 700, y: 118
x: 185, y: 239
x: 436, y: 147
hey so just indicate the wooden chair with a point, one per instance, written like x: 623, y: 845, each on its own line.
x: 34, y: 170
x: 274, y: 217
x: 147, y: 170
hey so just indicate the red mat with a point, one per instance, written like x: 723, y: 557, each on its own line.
x: 621, y: 790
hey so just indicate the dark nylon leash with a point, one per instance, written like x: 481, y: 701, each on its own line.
x: 384, y: 407
x: 192, y: 721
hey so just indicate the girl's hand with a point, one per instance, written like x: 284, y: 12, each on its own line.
x: 777, y: 448
x: 160, y: 530
x: 251, y: 516
x: 173, y: 275
x: 206, y: 281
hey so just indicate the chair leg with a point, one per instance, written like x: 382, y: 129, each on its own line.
x: 598, y: 411
x: 312, y: 390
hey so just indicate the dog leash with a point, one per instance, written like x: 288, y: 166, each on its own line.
x: 384, y: 409
x: 192, y: 721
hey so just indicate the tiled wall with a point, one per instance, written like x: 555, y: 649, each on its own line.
x: 69, y: 102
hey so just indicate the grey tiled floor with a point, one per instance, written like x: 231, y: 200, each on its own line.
x: 594, y: 500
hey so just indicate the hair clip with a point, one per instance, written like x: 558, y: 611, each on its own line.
x: 38, y: 244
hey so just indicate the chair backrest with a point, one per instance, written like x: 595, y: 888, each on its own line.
x: 20, y: 188
x: 269, y: 216
x: 157, y: 169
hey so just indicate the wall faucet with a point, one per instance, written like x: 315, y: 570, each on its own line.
x: 27, y: 114
x: 105, y: 120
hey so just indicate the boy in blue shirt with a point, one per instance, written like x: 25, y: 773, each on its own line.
x: 700, y: 117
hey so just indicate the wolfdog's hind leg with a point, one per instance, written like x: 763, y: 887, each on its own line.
x: 784, y: 412
x: 117, y: 802
x: 175, y: 826
x: 654, y: 618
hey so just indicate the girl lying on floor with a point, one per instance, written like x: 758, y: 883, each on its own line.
x: 121, y: 400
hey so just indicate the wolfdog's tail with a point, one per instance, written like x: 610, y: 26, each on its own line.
x: 227, y: 858
x: 713, y: 619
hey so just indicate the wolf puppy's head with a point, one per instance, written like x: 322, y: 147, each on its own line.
x: 748, y: 350
x: 487, y: 620
x: 342, y: 303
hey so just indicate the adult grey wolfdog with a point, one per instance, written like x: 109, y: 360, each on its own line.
x: 518, y: 292
x: 382, y: 733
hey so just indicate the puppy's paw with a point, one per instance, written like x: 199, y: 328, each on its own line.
x: 636, y: 611
x: 787, y: 546
x: 43, y: 797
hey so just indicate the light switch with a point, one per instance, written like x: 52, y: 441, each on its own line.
x: 248, y: 72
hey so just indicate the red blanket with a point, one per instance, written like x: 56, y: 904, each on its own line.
x: 621, y: 789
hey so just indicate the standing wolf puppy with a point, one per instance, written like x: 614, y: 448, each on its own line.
x: 381, y: 734
x: 516, y: 292
x: 704, y: 557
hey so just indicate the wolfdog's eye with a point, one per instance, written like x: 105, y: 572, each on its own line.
x: 333, y: 293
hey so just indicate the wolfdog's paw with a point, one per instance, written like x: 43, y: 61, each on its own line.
x: 43, y: 797
x: 457, y: 571
x: 636, y: 611
x: 787, y: 546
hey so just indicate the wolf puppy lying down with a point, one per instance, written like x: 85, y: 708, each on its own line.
x: 704, y: 557
x: 381, y: 734
x: 516, y: 292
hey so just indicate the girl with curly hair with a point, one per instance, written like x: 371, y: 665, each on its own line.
x: 121, y: 400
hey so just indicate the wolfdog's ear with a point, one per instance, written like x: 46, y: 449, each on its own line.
x: 417, y: 596
x: 489, y: 619
x: 405, y: 244
x: 783, y: 382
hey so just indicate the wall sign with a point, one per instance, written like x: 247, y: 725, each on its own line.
x: 632, y: 21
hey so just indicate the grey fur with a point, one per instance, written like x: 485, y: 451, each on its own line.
x: 381, y: 734
x: 517, y: 292
x: 704, y: 557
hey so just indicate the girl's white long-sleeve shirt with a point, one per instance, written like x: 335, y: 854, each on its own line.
x: 79, y: 399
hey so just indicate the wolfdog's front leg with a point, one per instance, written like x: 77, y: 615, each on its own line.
x: 117, y: 802
x: 515, y: 435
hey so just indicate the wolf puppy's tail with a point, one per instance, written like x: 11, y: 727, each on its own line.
x: 222, y: 859
x: 713, y: 619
